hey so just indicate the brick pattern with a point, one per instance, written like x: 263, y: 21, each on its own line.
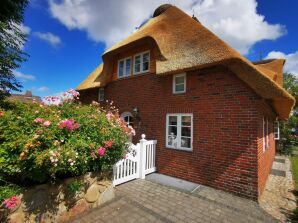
x: 226, y: 123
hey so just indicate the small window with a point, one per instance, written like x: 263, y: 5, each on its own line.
x: 101, y: 94
x: 179, y: 131
x: 276, y: 131
x: 265, y: 134
x: 179, y: 83
x: 141, y: 63
x: 127, y: 116
x: 124, y: 67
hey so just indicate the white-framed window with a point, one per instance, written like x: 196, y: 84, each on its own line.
x: 179, y: 83
x: 101, y: 94
x: 124, y: 67
x: 276, y: 131
x: 128, y: 118
x: 265, y: 134
x: 179, y: 132
x: 141, y: 62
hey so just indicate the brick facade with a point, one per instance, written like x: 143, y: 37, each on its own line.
x: 227, y: 126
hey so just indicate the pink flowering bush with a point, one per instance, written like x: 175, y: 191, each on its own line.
x: 11, y: 203
x: 59, y: 138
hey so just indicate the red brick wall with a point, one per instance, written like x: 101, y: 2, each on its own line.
x: 265, y: 159
x: 227, y: 126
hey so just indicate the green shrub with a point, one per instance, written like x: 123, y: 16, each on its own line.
x: 8, y: 190
x: 74, y: 187
x: 40, y: 142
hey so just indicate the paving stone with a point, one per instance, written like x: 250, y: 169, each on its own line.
x: 145, y: 201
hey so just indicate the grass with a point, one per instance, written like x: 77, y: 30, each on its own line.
x: 294, y: 160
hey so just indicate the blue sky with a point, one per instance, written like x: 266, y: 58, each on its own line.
x: 67, y: 37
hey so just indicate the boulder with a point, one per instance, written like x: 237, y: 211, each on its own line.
x: 92, y: 193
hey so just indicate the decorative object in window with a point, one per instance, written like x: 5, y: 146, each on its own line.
x: 101, y: 94
x: 124, y: 67
x: 179, y: 131
x: 179, y: 83
x: 141, y: 62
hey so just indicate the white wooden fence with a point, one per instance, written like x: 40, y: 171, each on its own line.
x: 138, y: 162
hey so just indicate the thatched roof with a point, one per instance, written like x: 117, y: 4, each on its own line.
x: 185, y: 44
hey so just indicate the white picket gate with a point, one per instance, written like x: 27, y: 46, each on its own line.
x: 138, y: 162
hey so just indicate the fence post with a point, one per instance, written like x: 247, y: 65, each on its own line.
x: 142, y: 156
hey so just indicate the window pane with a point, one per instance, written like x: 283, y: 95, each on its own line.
x: 179, y: 88
x: 137, y: 64
x: 172, y: 120
x: 179, y: 80
x: 145, y: 66
x: 121, y: 68
x: 186, y: 131
x: 186, y: 120
x: 128, y: 66
x: 172, y: 137
x: 145, y: 61
x: 185, y: 142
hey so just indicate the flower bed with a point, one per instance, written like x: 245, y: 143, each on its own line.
x: 59, y: 138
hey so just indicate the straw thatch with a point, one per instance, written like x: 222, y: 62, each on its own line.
x: 185, y: 44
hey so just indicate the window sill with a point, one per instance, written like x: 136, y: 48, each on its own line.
x: 182, y: 92
x: 180, y: 149
x: 143, y: 72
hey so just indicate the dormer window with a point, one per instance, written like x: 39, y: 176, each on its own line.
x: 141, y: 62
x: 124, y: 67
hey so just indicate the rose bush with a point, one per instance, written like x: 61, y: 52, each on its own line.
x: 59, y: 138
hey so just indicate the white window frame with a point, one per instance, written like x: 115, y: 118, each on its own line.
x: 124, y: 67
x: 276, y: 131
x: 125, y: 114
x: 179, y: 128
x: 141, y: 64
x: 101, y: 89
x: 174, y: 83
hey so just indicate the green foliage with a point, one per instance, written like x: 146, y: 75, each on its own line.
x: 7, y: 190
x: 289, y: 139
x: 74, y: 187
x: 11, y: 41
x: 35, y: 147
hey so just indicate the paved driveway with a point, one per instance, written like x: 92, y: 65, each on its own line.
x: 145, y: 201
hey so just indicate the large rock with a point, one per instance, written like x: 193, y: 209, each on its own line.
x: 92, y: 193
x: 17, y: 217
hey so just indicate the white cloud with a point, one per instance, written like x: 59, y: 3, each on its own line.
x: 237, y: 22
x: 42, y: 89
x: 24, y: 76
x: 48, y: 37
x: 291, y: 60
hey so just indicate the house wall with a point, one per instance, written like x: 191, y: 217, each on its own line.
x: 265, y: 159
x: 227, y: 125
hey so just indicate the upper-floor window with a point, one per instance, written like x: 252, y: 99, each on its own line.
x: 141, y: 62
x: 124, y: 67
x: 101, y: 94
x: 179, y: 83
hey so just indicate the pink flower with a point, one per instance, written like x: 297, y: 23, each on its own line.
x: 47, y: 123
x: 92, y: 154
x: 39, y: 120
x: 11, y: 203
x: 69, y: 124
x: 1, y: 113
x: 101, y: 151
x: 109, y: 116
